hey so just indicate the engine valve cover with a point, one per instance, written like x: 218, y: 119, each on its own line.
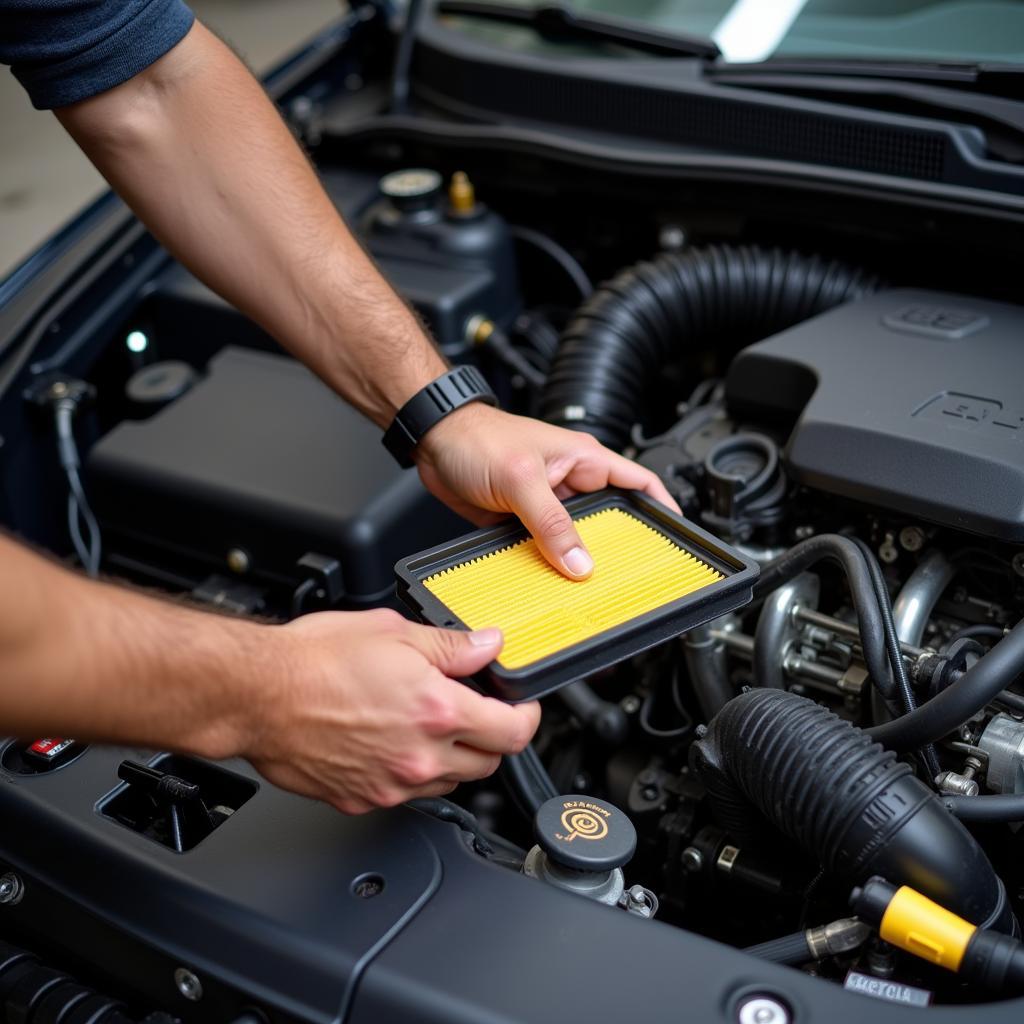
x: 906, y: 399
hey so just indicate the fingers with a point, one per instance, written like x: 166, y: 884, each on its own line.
x: 466, y: 764
x: 533, y: 500
x: 624, y: 473
x: 440, y: 788
x: 455, y: 711
x: 600, y: 467
x: 456, y: 652
x: 492, y: 725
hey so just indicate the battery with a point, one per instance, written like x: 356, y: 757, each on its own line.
x: 656, y: 576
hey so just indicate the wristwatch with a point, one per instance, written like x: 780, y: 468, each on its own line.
x: 430, y: 405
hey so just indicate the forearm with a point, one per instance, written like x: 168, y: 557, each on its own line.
x: 201, y: 155
x: 99, y: 662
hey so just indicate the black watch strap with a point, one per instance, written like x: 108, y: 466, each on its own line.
x: 430, y: 405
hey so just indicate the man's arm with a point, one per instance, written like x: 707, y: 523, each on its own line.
x: 199, y: 152
x: 195, y: 147
x: 303, y: 702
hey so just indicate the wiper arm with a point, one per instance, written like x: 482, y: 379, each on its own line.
x: 995, y: 79
x: 559, y: 23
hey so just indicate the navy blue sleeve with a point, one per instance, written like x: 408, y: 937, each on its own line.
x: 63, y: 51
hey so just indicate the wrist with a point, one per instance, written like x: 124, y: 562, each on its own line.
x: 241, y: 667
x: 187, y: 680
x: 381, y: 385
x: 437, y: 402
x: 461, y: 423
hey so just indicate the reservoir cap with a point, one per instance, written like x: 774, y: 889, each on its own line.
x: 584, y: 834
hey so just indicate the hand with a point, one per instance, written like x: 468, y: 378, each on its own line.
x: 367, y: 715
x: 482, y: 462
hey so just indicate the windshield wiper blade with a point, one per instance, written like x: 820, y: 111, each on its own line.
x: 559, y: 23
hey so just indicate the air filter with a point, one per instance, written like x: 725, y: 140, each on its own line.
x: 656, y: 576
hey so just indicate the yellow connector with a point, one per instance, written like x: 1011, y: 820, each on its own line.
x: 914, y: 923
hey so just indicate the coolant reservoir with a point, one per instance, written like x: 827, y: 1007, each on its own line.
x: 450, y: 255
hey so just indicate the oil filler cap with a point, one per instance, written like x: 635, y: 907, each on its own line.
x: 584, y: 834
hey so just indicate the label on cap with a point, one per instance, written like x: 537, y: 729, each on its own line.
x: 48, y: 748
x: 584, y: 820
x: 890, y: 991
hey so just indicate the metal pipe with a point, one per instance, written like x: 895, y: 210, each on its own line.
x: 917, y: 599
x: 797, y: 666
x: 705, y: 661
x: 847, y: 630
x: 777, y: 629
x: 738, y: 642
x: 794, y: 666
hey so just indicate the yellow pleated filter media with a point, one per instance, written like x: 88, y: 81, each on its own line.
x: 637, y: 569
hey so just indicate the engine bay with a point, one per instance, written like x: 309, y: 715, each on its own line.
x: 837, y: 404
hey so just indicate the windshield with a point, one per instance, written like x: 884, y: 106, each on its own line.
x: 963, y: 31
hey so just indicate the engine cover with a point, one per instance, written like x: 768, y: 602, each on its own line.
x: 906, y: 399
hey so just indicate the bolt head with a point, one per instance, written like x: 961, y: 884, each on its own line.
x: 238, y: 560
x: 1018, y: 563
x: 188, y: 984
x: 366, y: 887
x: 912, y: 538
x: 11, y: 889
x: 763, y: 1010
x: 692, y: 858
x: 887, y: 550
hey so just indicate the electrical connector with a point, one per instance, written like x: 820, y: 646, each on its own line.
x: 63, y: 397
x: 918, y: 925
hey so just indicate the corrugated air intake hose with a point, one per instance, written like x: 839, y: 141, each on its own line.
x: 773, y: 755
x: 651, y: 313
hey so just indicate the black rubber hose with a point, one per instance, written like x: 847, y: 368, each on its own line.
x: 651, y: 313
x: 1014, y: 701
x: 1005, y: 807
x: 528, y: 780
x: 499, y: 343
x: 869, y: 616
x: 773, y: 755
x: 446, y: 810
x: 959, y: 702
x: 969, y: 632
x: 789, y: 949
x: 607, y: 720
x: 892, y: 644
x: 558, y: 254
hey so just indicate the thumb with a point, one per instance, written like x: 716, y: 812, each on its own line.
x: 457, y: 652
x: 552, y: 528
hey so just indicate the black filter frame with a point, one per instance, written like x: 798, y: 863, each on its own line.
x: 611, y: 646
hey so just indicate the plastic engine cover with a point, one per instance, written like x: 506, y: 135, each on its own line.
x: 910, y: 400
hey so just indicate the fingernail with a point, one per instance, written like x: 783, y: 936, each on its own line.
x: 485, y: 637
x: 578, y: 562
